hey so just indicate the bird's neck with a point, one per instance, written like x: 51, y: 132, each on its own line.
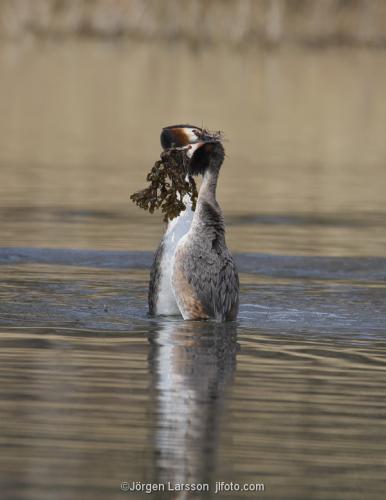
x: 208, y: 220
x: 209, y: 185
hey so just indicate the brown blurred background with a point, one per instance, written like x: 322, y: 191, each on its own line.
x: 200, y: 21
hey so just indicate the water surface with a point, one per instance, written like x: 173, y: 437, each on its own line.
x: 94, y: 392
x: 304, y: 173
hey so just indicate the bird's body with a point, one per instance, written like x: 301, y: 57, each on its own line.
x: 161, y: 296
x: 193, y: 273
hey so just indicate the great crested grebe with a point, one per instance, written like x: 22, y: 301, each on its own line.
x: 193, y: 272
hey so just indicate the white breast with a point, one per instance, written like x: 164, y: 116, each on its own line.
x: 177, y: 228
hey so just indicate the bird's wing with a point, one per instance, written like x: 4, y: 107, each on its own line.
x: 226, y: 297
x: 155, y: 277
x: 214, y: 279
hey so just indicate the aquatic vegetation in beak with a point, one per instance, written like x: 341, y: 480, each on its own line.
x: 169, y: 184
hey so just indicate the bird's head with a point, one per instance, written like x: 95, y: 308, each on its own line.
x: 203, y: 148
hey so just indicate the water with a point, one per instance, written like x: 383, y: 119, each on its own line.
x: 304, y: 174
x: 94, y: 392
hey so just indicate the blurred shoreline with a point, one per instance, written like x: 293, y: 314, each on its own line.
x: 312, y: 23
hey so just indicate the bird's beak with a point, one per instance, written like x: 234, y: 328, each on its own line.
x: 192, y: 148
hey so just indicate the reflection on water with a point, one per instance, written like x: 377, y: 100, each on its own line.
x: 192, y: 364
x: 94, y: 392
